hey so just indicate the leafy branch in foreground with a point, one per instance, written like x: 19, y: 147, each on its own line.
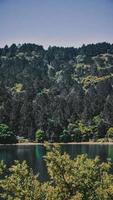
x: 78, y: 179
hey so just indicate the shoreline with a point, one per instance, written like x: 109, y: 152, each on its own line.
x: 69, y: 143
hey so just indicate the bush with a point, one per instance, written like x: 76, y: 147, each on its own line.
x: 39, y: 136
x: 110, y: 132
x: 65, y: 137
x: 21, y: 139
x: 6, y: 135
x: 80, y: 132
x: 19, y: 184
x: 18, y: 87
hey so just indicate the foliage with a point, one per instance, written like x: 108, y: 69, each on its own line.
x: 17, y: 88
x: 39, y: 135
x: 110, y: 132
x: 78, y: 179
x: 99, y: 127
x: 22, y: 139
x: 20, y: 184
x: 6, y: 135
x: 65, y: 136
x: 91, y: 80
x: 59, y: 83
x: 79, y: 131
x: 85, y: 131
x: 82, y: 176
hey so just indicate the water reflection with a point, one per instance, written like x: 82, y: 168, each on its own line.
x: 33, y: 154
x: 110, y: 153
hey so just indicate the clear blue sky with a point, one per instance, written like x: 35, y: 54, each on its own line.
x: 56, y: 22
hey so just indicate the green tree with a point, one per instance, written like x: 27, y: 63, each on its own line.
x: 110, y: 132
x: 6, y: 135
x: 81, y: 178
x: 65, y: 136
x: 79, y: 131
x: 20, y: 184
x: 39, y: 136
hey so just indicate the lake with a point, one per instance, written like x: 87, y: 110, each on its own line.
x: 33, y: 154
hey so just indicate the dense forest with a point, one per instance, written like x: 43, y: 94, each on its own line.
x: 62, y: 94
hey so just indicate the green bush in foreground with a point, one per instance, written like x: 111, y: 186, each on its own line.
x: 78, y: 179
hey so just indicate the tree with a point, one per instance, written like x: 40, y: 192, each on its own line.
x: 12, y: 50
x: 80, y: 132
x: 65, y: 136
x: 5, y: 50
x: 110, y: 132
x: 20, y: 183
x: 81, y: 178
x: 6, y: 135
x: 39, y: 135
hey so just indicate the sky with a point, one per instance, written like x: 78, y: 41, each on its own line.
x: 56, y: 22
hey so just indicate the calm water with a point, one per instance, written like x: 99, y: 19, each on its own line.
x: 33, y: 154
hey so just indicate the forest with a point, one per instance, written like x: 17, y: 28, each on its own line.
x: 59, y: 94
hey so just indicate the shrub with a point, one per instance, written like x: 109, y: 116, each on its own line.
x: 6, y: 135
x: 110, y: 132
x: 91, y: 80
x: 65, y: 136
x: 21, y: 139
x: 79, y: 131
x: 39, y: 136
x: 18, y: 87
x: 20, y: 183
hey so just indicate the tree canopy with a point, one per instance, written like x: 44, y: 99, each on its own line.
x: 50, y: 89
x: 6, y: 135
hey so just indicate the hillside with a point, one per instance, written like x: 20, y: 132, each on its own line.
x: 65, y: 92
